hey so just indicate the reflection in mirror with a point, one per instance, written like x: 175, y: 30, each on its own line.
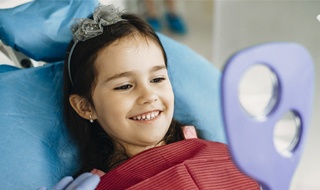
x: 258, y: 90
x: 287, y: 133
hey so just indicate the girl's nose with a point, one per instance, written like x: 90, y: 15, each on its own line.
x: 147, y: 95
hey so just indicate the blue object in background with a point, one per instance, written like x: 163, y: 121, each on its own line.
x: 41, y: 29
x: 7, y: 68
x: 176, y: 24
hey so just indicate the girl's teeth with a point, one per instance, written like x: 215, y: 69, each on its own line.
x: 149, y: 116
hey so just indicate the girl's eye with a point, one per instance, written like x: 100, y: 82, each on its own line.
x: 157, y: 80
x: 124, y: 87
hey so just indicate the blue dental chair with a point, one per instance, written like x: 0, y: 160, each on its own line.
x: 36, y: 149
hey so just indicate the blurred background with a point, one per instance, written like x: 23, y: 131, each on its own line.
x: 217, y: 29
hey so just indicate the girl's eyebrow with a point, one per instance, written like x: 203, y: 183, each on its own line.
x: 130, y: 73
x: 157, y: 68
x: 119, y: 75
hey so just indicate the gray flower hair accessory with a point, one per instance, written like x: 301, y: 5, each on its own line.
x: 104, y: 15
x: 85, y: 28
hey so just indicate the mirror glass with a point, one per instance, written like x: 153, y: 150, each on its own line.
x: 287, y: 133
x: 258, y: 90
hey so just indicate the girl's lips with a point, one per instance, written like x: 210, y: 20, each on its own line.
x: 146, y: 116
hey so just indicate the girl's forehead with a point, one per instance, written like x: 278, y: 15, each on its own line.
x: 127, y: 45
x: 128, y: 51
x: 133, y: 40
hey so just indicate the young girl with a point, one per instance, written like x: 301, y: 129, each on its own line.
x: 119, y: 108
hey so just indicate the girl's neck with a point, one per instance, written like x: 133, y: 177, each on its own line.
x: 124, y: 152
x: 132, y: 150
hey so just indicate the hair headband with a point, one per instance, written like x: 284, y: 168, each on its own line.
x: 85, y: 28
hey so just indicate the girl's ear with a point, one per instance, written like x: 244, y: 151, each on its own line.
x: 82, y: 107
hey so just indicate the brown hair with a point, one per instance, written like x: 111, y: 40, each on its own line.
x: 97, y: 149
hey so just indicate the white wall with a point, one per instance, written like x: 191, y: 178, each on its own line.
x: 12, y: 3
x: 117, y: 3
x: 241, y: 23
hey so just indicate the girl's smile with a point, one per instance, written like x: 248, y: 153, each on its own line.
x: 146, y: 116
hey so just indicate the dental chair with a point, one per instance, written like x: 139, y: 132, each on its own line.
x: 36, y: 149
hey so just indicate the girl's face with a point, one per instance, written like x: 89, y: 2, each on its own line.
x: 133, y: 99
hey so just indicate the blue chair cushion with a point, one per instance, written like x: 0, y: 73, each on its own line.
x: 35, y: 147
x: 39, y: 28
x: 6, y: 68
